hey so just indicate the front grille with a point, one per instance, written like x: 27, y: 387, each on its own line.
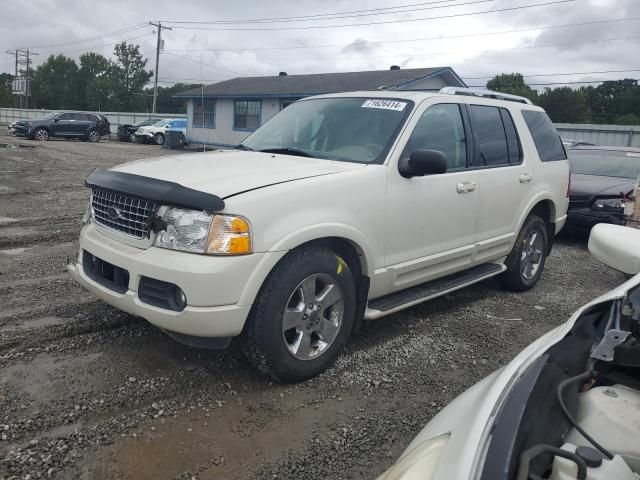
x: 577, y: 201
x: 122, y: 213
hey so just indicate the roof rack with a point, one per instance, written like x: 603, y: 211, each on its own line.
x: 485, y: 94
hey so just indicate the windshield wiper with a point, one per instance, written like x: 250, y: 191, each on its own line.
x: 243, y: 147
x: 289, y: 151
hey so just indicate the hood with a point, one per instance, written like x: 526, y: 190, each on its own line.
x: 470, y: 418
x: 595, y: 185
x: 227, y: 172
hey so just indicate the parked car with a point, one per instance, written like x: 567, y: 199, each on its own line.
x: 572, y: 143
x: 566, y: 408
x: 127, y: 133
x: 85, y: 126
x: 341, y: 208
x: 602, y: 182
x: 155, y: 133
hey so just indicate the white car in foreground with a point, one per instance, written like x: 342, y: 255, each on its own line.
x: 155, y: 133
x: 566, y: 408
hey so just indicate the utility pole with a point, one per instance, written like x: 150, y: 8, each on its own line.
x: 23, y: 57
x: 155, y: 83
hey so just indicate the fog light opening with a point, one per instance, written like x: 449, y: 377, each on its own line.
x: 180, y: 298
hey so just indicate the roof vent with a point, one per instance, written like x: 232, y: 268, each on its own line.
x: 282, y: 74
x: 394, y: 67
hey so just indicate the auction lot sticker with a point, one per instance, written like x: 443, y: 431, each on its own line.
x: 384, y: 104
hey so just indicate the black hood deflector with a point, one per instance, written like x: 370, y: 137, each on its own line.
x: 161, y: 191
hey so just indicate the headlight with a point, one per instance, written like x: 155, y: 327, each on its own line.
x: 420, y: 463
x: 609, y: 205
x: 199, y: 232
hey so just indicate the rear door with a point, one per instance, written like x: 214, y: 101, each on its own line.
x: 83, y: 123
x: 504, y: 178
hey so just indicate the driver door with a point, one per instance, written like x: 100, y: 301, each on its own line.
x: 431, y: 219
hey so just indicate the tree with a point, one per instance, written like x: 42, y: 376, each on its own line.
x: 627, y: 119
x: 166, y: 102
x: 96, y: 82
x: 130, y: 77
x: 514, y: 84
x: 54, y: 84
x: 6, y: 97
x: 565, y: 105
x: 614, y: 99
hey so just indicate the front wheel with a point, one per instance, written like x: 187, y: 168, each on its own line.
x: 132, y: 138
x: 302, y: 317
x: 158, y: 138
x: 41, y: 134
x: 527, y: 258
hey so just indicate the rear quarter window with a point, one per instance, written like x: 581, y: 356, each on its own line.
x: 545, y: 136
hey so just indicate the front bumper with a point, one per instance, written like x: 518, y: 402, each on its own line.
x: 21, y: 130
x: 219, y: 290
x: 586, y: 217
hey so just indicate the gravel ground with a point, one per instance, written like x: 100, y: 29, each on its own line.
x: 89, y: 392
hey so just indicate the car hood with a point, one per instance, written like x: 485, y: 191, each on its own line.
x: 469, y: 418
x: 228, y: 172
x: 595, y: 185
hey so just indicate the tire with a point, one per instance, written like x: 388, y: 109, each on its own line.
x: 93, y: 136
x: 158, y: 138
x: 132, y: 138
x: 528, y: 256
x: 319, y: 328
x: 41, y: 134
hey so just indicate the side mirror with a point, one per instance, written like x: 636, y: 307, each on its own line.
x: 616, y: 246
x: 424, y: 162
x: 56, y: 119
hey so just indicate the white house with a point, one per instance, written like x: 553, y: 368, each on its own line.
x: 223, y: 114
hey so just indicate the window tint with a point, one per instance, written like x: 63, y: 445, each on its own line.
x: 65, y: 116
x: 513, y: 142
x: 204, y: 113
x: 247, y: 114
x: 545, y: 136
x: 490, y: 135
x: 440, y: 128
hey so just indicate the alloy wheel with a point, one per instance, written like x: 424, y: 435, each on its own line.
x: 532, y: 254
x: 313, y: 317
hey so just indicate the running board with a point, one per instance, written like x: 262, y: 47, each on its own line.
x: 397, y: 301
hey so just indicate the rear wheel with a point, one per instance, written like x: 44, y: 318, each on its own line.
x: 158, y: 138
x: 527, y: 258
x: 93, y: 136
x: 132, y: 138
x: 302, y: 317
x: 41, y: 134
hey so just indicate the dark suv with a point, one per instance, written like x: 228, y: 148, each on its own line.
x: 86, y: 126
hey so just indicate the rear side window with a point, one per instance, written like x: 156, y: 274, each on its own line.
x: 513, y: 142
x: 545, y: 136
x: 490, y: 135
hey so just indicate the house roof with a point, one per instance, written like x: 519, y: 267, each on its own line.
x: 319, y: 83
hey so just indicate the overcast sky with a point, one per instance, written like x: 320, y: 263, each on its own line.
x: 402, y: 36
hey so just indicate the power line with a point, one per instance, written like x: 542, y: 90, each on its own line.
x: 182, y: 57
x: 441, y: 37
x: 91, y: 47
x: 557, y: 74
x: 456, y: 15
x: 430, y: 54
x: 105, y: 35
x: 336, y: 15
x: 559, y: 83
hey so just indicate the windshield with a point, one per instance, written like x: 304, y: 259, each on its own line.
x: 347, y: 129
x: 146, y: 123
x: 605, y: 163
x: 162, y: 123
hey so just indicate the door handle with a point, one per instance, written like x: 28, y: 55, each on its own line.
x: 466, y: 187
x: 525, y: 178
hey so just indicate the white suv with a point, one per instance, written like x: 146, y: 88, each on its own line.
x: 342, y: 208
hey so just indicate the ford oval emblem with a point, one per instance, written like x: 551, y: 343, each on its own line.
x: 113, y: 213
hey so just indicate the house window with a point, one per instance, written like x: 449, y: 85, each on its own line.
x: 285, y: 103
x: 246, y: 114
x: 204, y: 113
